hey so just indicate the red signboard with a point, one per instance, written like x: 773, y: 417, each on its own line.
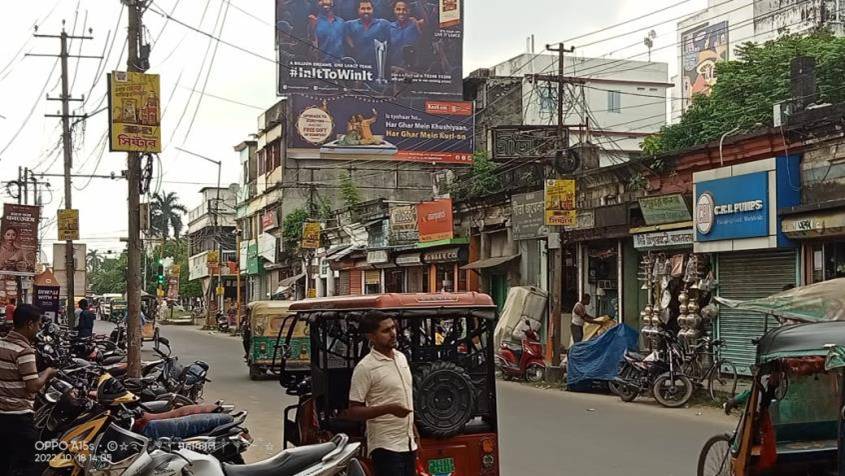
x: 449, y: 108
x: 434, y: 220
x: 269, y: 220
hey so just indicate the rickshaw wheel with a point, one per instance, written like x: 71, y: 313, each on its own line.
x: 444, y: 399
x: 714, y: 459
x: 672, y: 394
x: 255, y: 372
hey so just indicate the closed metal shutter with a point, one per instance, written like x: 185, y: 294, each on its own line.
x: 355, y: 282
x: 743, y: 276
x: 343, y: 284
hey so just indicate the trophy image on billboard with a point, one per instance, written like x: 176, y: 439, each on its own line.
x: 381, y: 60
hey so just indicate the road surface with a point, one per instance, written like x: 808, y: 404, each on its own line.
x: 542, y: 432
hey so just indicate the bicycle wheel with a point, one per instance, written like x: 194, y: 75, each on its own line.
x: 715, y: 459
x: 722, y: 381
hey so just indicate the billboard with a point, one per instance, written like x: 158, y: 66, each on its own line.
x: 68, y: 224
x: 347, y: 127
x: 382, y: 47
x: 19, y: 245
x: 434, y: 220
x: 560, y: 202
x: 134, y: 112
x: 702, y: 47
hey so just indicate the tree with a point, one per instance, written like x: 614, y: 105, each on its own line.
x: 110, y: 276
x: 178, y: 250
x: 482, y: 179
x: 166, y: 213
x: 93, y: 260
x: 292, y: 228
x: 349, y: 191
x: 747, y: 89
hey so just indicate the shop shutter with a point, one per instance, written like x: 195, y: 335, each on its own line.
x: 355, y: 282
x: 743, y: 276
x: 343, y: 284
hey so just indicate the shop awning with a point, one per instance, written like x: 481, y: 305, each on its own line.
x: 344, y: 253
x: 490, y: 262
x: 291, y: 280
x: 815, y: 225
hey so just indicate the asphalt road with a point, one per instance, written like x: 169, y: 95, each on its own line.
x: 542, y: 432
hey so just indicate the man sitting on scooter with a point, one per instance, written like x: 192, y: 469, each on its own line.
x: 523, y: 331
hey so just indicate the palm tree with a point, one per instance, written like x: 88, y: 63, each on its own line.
x: 166, y: 213
x: 93, y: 260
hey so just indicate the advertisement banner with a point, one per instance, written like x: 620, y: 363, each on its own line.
x: 347, y: 127
x: 703, y: 47
x: 46, y: 298
x: 68, y: 224
x: 527, y: 216
x: 19, y: 246
x: 560, y: 202
x: 732, y: 208
x: 173, y: 287
x: 382, y: 47
x: 134, y: 112
x: 434, y: 220
x: 403, y: 224
x: 269, y: 220
x: 311, y: 235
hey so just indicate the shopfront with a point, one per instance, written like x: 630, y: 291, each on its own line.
x: 414, y: 273
x: 822, y: 235
x: 530, y: 234
x: 444, y: 274
x: 737, y: 224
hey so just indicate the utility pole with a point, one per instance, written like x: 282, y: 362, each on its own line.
x: 133, y: 174
x: 557, y: 252
x: 67, y: 146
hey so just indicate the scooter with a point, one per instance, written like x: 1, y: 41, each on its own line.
x: 222, y: 322
x: 521, y: 362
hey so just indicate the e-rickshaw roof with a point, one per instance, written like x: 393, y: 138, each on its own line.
x: 819, y: 302
x: 400, y: 302
x: 800, y: 340
x: 263, y: 308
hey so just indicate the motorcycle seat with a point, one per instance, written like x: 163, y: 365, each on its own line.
x: 513, y: 346
x: 634, y: 355
x: 112, y: 359
x: 156, y: 406
x: 186, y: 426
x: 288, y: 462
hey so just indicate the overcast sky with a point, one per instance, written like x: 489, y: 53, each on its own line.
x: 240, y: 86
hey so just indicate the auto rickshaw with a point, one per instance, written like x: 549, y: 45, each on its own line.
x: 448, y: 340
x: 117, y: 309
x: 792, y: 417
x: 266, y: 320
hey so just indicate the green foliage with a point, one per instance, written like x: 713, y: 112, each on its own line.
x: 747, y: 89
x: 349, y: 191
x: 177, y: 249
x: 292, y: 228
x: 166, y: 213
x: 482, y: 179
x: 93, y: 260
x: 110, y: 275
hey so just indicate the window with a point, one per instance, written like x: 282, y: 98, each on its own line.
x: 614, y: 101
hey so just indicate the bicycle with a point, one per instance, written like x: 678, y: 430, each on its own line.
x: 703, y: 363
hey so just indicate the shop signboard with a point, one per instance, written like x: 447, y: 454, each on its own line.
x: 732, y: 207
x: 19, y: 247
x: 269, y: 220
x: 47, y: 298
x: 252, y: 264
x: 384, y: 51
x: 560, y: 202
x: 534, y: 142
x: 410, y: 259
x: 664, y: 209
x: 434, y: 220
x: 67, y: 224
x: 311, y: 235
x: 134, y: 112
x: 664, y: 239
x: 367, y: 128
x: 377, y: 257
x: 267, y: 247
x: 527, y: 219
x: 403, y: 224
x: 448, y: 255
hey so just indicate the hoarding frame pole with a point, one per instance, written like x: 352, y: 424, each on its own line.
x: 557, y: 253
x: 133, y: 175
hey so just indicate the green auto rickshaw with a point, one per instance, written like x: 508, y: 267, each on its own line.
x: 265, y: 319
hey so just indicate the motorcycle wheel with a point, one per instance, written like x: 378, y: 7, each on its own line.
x: 535, y: 372
x: 255, y: 372
x: 715, y: 459
x: 672, y: 392
x: 627, y: 393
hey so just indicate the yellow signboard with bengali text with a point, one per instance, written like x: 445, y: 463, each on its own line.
x: 68, y: 224
x: 134, y: 112
x: 560, y: 202
x: 311, y: 235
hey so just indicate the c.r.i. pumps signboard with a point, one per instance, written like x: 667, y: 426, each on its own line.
x: 736, y: 207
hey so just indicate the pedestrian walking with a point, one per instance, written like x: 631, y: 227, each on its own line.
x: 579, y: 316
x: 381, y: 394
x: 19, y: 382
x: 85, y: 320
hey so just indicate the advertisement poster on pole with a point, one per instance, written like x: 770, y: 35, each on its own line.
x: 560, y: 202
x: 356, y: 127
x: 68, y: 224
x: 134, y: 112
x: 311, y: 235
x: 19, y: 246
x: 384, y: 48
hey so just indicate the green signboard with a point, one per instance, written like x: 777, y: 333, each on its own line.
x: 664, y: 209
x: 252, y: 262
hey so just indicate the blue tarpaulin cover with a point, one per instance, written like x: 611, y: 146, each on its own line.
x: 598, y: 359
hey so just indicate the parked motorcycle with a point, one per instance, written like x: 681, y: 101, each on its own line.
x: 659, y: 373
x: 524, y: 361
x: 222, y: 322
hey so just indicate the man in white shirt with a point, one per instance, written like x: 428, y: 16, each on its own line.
x: 579, y: 316
x: 381, y: 394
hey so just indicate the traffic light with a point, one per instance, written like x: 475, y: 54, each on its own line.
x: 160, y: 275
